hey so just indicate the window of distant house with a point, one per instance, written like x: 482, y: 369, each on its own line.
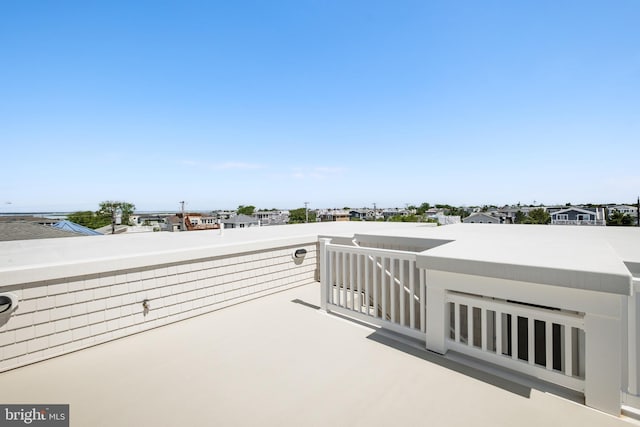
x: 562, y: 217
x: 584, y: 217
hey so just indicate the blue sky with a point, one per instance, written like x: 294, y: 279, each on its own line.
x: 339, y: 103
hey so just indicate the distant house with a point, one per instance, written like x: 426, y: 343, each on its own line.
x: 624, y: 209
x: 224, y: 214
x: 173, y: 223
x: 327, y: 215
x: 434, y: 212
x: 482, y: 218
x: 447, y: 219
x: 272, y: 217
x: 388, y: 213
x: 240, y: 221
x: 152, y: 220
x: 362, y: 214
x: 204, y: 221
x: 578, y: 216
x: 510, y: 212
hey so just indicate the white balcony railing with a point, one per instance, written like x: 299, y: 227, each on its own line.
x: 578, y: 222
x: 381, y: 286
x: 542, y: 342
x: 553, y: 333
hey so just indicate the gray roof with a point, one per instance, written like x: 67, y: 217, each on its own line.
x: 30, y: 230
x: 26, y: 218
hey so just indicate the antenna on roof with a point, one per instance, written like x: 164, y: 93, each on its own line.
x: 182, y: 209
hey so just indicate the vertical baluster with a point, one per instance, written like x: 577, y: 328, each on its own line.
x: 568, y: 351
x: 403, y: 321
x: 548, y: 338
x: 392, y: 288
x: 352, y: 282
x: 334, y: 274
x: 344, y: 280
x: 498, y: 323
x: 359, y: 280
x: 423, y: 300
x: 530, y: 339
x: 330, y: 276
x: 367, y: 283
x: 376, y: 286
x: 383, y: 282
x: 457, y: 324
x: 412, y: 294
x: 484, y: 333
x: 514, y: 337
x: 470, y: 325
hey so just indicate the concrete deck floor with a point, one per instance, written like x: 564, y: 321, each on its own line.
x: 278, y: 361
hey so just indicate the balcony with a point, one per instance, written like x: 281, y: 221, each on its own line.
x: 235, y: 329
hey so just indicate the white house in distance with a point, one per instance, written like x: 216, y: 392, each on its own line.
x: 625, y: 209
x: 519, y: 325
x: 277, y: 217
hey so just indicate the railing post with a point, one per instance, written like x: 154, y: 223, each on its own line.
x: 325, y: 273
x: 437, y: 320
x: 632, y: 339
x: 603, y: 368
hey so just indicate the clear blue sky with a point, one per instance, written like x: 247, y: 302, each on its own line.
x: 339, y: 103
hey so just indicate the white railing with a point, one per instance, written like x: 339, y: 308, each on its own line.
x: 578, y: 222
x: 541, y: 342
x: 534, y: 329
x: 380, y: 286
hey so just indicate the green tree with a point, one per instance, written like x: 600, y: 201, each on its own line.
x: 246, y: 210
x: 423, y: 208
x: 538, y: 216
x: 404, y: 218
x: 298, y: 216
x: 104, y: 215
x: 461, y: 212
x: 617, y: 218
x: 88, y: 219
x: 520, y: 218
x: 110, y: 208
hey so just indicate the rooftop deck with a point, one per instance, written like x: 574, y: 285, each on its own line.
x: 276, y: 361
x: 227, y: 328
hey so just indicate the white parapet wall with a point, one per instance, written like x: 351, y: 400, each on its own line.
x: 81, y: 291
x: 65, y: 314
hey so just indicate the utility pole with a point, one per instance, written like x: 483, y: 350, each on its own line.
x: 182, y: 203
x: 375, y: 213
x: 306, y: 210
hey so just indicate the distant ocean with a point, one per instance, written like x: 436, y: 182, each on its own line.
x: 63, y: 215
